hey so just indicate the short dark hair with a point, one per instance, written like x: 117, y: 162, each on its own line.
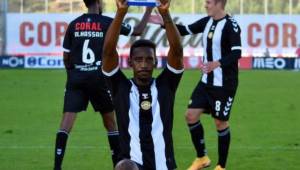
x: 126, y: 164
x: 142, y: 43
x: 88, y: 3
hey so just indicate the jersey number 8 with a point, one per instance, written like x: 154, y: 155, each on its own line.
x: 218, y: 105
x: 88, y: 55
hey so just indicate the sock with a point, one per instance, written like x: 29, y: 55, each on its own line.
x: 113, y: 139
x: 60, y: 146
x: 223, y: 146
x: 197, y: 134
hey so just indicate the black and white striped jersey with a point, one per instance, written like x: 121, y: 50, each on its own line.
x: 221, y: 42
x: 145, y: 117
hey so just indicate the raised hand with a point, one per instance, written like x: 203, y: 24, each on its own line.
x: 122, y: 5
x: 175, y: 54
x: 164, y: 6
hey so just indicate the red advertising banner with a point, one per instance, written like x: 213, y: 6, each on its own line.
x: 42, y: 34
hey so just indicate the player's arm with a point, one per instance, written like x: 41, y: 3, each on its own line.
x: 175, y: 54
x: 234, y: 34
x: 67, y: 43
x: 67, y: 61
x: 194, y: 28
x: 139, y: 29
x: 110, y: 57
x: 127, y: 30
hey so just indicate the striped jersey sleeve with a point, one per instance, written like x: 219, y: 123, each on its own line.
x: 194, y: 28
x: 233, y: 31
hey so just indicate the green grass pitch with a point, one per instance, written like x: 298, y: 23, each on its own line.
x: 265, y: 123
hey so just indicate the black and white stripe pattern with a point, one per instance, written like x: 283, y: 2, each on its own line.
x: 145, y: 117
x: 156, y: 128
x: 221, y: 42
x: 213, y: 51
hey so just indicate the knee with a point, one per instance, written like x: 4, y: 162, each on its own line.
x: 220, y: 125
x: 110, y: 125
x: 191, y: 117
x: 109, y: 122
x: 67, y: 121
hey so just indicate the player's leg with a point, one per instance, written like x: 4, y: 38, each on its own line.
x: 222, y: 101
x: 109, y: 121
x: 110, y: 125
x: 197, y: 135
x: 62, y: 137
x: 223, y: 142
x: 74, y: 102
x: 126, y: 164
x: 196, y: 129
x: 101, y: 100
x: 195, y: 109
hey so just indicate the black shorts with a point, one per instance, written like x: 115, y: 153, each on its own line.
x: 82, y: 87
x: 215, y: 100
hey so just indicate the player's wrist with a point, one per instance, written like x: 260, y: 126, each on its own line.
x: 121, y: 11
x: 119, y: 16
x: 163, y: 12
x: 166, y: 17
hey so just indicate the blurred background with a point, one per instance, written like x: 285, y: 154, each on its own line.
x: 32, y: 28
x: 189, y: 6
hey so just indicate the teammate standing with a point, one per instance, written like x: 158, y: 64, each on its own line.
x: 216, y: 90
x: 144, y: 105
x: 82, y: 58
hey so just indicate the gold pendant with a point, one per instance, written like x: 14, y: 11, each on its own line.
x: 145, y: 105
